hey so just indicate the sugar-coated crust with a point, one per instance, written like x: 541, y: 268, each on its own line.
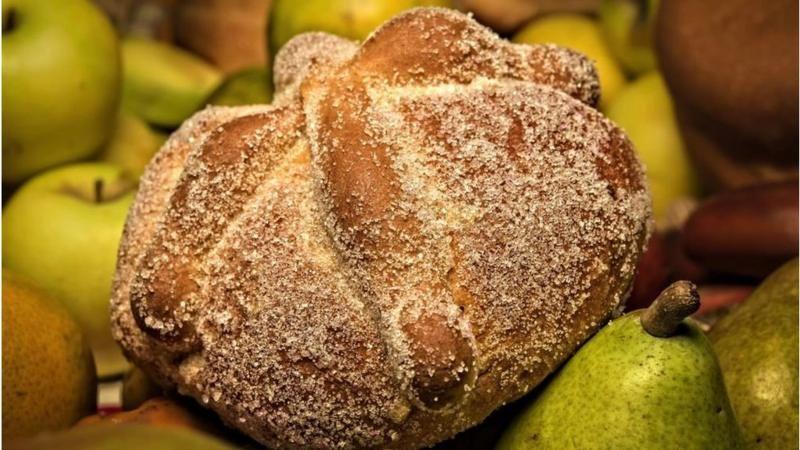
x: 418, y: 231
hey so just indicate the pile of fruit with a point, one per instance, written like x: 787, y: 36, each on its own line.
x: 92, y: 91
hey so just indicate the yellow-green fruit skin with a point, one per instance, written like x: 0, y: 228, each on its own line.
x: 628, y: 28
x: 48, y: 372
x: 582, y: 34
x: 132, y: 145
x: 353, y: 19
x: 626, y: 389
x: 61, y: 82
x: 162, y: 84
x: 757, y: 346
x: 67, y: 244
x: 644, y: 110
x: 250, y: 86
x: 123, y: 437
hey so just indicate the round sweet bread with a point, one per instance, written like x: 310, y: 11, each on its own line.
x: 416, y: 232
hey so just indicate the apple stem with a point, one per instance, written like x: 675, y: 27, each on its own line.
x: 98, y: 190
x: 675, y: 303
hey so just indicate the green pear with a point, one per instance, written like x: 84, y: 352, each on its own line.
x: 162, y: 84
x: 61, y: 79
x: 122, y: 437
x: 647, y: 380
x: 353, y: 19
x: 757, y: 349
x: 628, y: 28
x: 246, y: 87
x: 645, y: 111
x: 132, y: 145
x: 61, y: 230
x: 580, y: 33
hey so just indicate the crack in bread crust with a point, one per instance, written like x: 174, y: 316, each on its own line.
x: 412, y: 236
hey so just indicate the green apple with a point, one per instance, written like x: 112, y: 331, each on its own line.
x: 645, y: 111
x: 61, y: 79
x: 163, y: 84
x: 353, y: 19
x: 628, y: 28
x: 61, y: 230
x: 582, y: 34
x: 132, y: 145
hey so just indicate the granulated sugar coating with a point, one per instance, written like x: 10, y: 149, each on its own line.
x: 417, y: 232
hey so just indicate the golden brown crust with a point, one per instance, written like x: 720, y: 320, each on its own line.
x: 442, y: 46
x: 220, y: 177
x: 423, y: 234
x: 144, y: 218
x: 304, y: 55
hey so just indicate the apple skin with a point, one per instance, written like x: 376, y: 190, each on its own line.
x: 55, y: 234
x: 582, y: 34
x: 645, y: 111
x: 61, y: 74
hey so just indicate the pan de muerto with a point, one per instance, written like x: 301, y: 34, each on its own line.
x: 417, y: 231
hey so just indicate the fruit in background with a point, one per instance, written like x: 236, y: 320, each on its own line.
x: 732, y: 69
x: 48, y: 371
x: 247, y: 87
x: 157, y: 411
x: 132, y: 145
x: 748, y: 232
x: 231, y: 34
x: 122, y: 437
x: 648, y: 379
x: 168, y: 412
x: 61, y: 74
x: 508, y: 15
x: 757, y: 348
x: 162, y: 84
x: 628, y: 28
x: 61, y: 229
x: 652, y: 273
x: 137, y: 388
x: 644, y: 110
x: 353, y: 19
x: 665, y: 261
x: 582, y: 34
x: 501, y: 15
x: 719, y: 298
x: 150, y: 19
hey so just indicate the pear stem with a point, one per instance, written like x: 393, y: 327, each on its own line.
x: 98, y: 190
x: 675, y: 303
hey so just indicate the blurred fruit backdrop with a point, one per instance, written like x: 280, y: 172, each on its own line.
x: 707, y: 92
